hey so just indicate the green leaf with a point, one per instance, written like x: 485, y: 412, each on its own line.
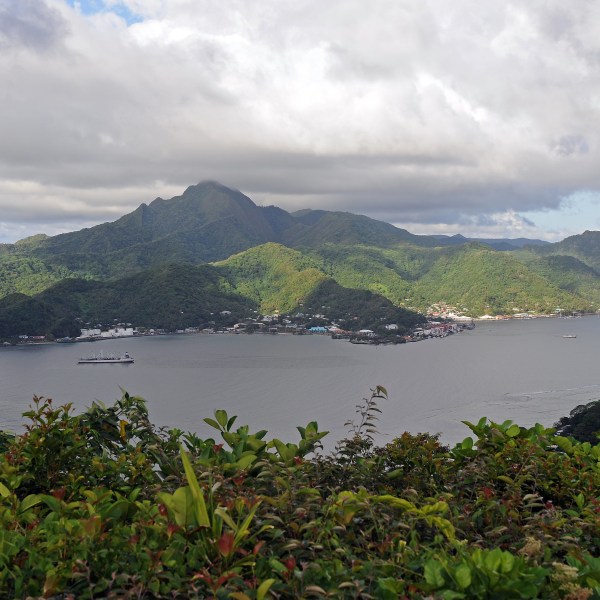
x: 513, y: 431
x: 116, y: 510
x: 397, y: 502
x: 222, y: 512
x: 222, y: 418
x: 467, y: 443
x: 245, y: 461
x: 434, y: 574
x: 463, y: 576
x: 231, y: 438
x: 508, y: 562
x: 244, y: 528
x: 199, y: 503
x: 381, y: 390
x: 436, y: 507
x: 4, y: 491
x: 183, y: 506
x: 180, y: 505
x: 277, y: 566
x: 54, y: 504
x: 263, y: 588
x: 212, y: 423
x: 285, y: 451
x: 493, y: 560
x: 394, y: 474
x: 563, y: 443
x: 29, y: 502
x: 506, y: 479
x: 389, y: 588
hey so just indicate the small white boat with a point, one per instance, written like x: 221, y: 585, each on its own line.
x: 110, y: 359
x: 570, y: 336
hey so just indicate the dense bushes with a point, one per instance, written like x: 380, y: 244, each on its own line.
x: 103, y: 504
x: 583, y: 423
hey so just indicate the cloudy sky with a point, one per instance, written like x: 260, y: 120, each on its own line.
x: 472, y: 116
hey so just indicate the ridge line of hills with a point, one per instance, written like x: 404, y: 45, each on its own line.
x: 213, y: 248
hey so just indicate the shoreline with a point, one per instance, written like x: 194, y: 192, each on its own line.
x: 449, y: 327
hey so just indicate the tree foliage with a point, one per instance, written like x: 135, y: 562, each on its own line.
x: 583, y: 423
x: 168, y: 296
x: 104, y: 504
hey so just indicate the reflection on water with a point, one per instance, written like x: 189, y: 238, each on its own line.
x: 519, y: 370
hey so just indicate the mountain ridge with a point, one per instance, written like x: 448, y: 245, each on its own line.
x: 272, y: 258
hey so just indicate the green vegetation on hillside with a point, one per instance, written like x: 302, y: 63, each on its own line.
x: 28, y: 275
x: 275, y: 277
x: 268, y: 278
x: 472, y: 277
x: 285, y: 280
x: 482, y: 280
x: 390, y: 272
x: 168, y: 296
x: 358, y: 309
x: 104, y: 504
x: 566, y: 272
x: 210, y: 222
x: 585, y: 247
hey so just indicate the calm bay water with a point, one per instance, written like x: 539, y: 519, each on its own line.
x: 520, y: 370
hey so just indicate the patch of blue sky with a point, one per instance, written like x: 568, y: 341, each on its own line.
x: 578, y: 212
x: 92, y: 7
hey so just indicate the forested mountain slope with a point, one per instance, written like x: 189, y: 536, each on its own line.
x: 168, y: 296
x: 291, y: 253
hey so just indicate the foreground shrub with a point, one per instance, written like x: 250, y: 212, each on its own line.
x: 103, y: 504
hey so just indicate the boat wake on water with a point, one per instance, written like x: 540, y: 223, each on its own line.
x: 559, y: 393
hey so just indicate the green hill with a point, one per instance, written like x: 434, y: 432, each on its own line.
x: 268, y: 278
x: 566, y: 272
x: 585, y: 247
x: 390, y: 272
x: 26, y: 274
x: 275, y: 277
x: 169, y: 296
x: 210, y: 222
x: 480, y: 280
x: 285, y: 280
x: 472, y: 277
x: 356, y: 309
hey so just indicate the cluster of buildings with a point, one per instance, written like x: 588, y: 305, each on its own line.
x: 111, y: 333
x: 298, y: 324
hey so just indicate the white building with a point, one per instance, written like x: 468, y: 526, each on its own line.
x: 87, y: 333
x: 116, y: 332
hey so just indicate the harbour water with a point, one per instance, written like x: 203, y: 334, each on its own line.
x: 525, y: 371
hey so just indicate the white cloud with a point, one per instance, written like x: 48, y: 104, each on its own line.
x: 418, y: 112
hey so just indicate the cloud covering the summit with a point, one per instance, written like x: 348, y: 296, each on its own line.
x: 473, y: 117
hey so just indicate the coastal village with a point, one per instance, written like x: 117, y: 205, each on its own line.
x: 441, y: 321
x: 273, y: 324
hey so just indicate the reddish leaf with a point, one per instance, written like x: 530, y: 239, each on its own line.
x: 225, y: 544
x: 258, y: 546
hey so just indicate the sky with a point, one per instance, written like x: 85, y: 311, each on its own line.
x: 472, y: 117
